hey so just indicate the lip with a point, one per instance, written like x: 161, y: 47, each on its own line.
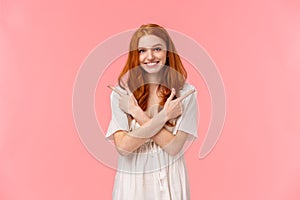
x: 152, y: 64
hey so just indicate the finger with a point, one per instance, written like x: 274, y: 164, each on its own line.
x: 127, y: 89
x: 186, y: 94
x: 116, y: 90
x: 172, y: 95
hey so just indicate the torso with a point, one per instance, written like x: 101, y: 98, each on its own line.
x: 150, y: 172
x: 153, y: 104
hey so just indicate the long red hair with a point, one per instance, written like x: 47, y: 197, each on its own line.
x: 174, y: 73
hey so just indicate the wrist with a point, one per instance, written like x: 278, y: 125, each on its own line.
x: 136, y: 111
x: 163, y: 112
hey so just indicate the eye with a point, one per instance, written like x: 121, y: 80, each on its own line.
x: 141, y: 51
x: 157, y: 49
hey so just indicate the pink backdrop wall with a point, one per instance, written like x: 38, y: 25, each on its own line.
x: 255, y: 45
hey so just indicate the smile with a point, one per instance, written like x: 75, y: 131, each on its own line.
x: 152, y: 63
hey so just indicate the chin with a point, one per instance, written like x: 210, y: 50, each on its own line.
x: 152, y: 70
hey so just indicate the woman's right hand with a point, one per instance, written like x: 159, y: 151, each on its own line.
x: 127, y: 102
x: 174, y: 108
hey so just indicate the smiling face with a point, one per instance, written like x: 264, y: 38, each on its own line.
x: 152, y: 53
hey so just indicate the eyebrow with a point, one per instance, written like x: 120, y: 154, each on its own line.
x: 153, y: 45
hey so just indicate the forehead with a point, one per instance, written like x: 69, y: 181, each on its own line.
x: 148, y: 41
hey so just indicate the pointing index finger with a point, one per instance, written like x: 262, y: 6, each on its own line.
x: 116, y: 90
x: 186, y: 94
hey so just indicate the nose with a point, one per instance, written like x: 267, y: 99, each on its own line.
x: 150, y: 54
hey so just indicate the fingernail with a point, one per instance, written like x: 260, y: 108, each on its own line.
x: 173, y: 90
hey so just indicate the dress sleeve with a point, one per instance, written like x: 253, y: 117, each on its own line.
x: 119, y: 120
x: 188, y: 122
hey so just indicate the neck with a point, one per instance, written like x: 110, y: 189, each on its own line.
x: 153, y: 79
x: 153, y: 88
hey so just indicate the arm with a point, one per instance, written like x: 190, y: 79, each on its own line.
x: 172, y: 144
x: 172, y: 109
x: 119, y: 126
x: 127, y: 142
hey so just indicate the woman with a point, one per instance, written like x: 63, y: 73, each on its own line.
x: 154, y: 111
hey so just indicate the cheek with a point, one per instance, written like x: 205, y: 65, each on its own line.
x: 141, y: 58
x: 163, y: 57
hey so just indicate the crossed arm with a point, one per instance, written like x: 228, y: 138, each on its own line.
x: 127, y: 142
x: 172, y: 144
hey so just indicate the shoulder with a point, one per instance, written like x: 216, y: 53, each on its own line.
x: 115, y: 95
x: 187, y: 87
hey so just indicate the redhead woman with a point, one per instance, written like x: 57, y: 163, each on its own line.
x: 154, y: 113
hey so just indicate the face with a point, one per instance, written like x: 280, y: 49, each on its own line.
x: 152, y: 53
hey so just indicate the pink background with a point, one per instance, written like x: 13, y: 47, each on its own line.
x: 255, y: 45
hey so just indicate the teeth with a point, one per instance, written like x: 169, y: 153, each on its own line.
x: 151, y: 64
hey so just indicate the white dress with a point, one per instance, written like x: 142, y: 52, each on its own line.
x: 150, y: 173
